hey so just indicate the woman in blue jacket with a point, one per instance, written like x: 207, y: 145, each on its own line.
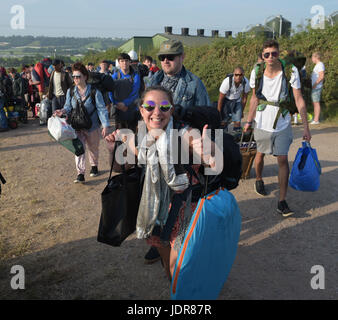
x: 99, y: 115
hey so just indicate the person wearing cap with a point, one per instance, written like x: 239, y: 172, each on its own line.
x: 139, y: 68
x: 59, y: 83
x: 188, y: 90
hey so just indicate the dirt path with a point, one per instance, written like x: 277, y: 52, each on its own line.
x: 49, y: 225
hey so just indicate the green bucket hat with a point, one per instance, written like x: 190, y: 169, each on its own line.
x: 170, y: 47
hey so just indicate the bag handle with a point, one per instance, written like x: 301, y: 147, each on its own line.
x: 116, y: 144
x: 250, y: 140
x: 317, y: 164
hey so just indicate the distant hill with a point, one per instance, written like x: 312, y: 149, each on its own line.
x: 18, y: 46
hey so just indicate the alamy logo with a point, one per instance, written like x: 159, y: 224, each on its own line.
x: 318, y: 281
x: 318, y: 20
x: 18, y: 280
x: 18, y: 20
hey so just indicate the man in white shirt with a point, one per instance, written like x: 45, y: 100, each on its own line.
x: 233, y: 94
x: 59, y: 83
x: 273, y: 132
x: 317, y: 78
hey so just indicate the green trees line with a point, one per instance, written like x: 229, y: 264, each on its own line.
x: 212, y: 62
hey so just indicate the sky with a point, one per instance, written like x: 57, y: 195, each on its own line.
x: 125, y: 19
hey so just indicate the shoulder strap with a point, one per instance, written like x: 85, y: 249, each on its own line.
x: 259, y: 69
x: 93, y: 95
x: 71, y: 92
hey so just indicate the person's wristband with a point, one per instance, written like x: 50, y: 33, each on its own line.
x: 249, y: 122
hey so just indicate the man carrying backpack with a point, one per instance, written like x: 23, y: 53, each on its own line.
x: 5, y: 95
x: 273, y: 133
x: 19, y: 90
x: 233, y: 94
x: 126, y: 115
x: 59, y: 83
x: 104, y: 64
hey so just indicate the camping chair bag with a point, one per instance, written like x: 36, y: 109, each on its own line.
x: 209, y: 248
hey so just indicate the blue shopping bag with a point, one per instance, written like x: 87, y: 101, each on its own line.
x: 209, y: 248
x: 306, y: 169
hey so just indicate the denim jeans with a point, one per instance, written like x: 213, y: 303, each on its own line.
x: 58, y: 102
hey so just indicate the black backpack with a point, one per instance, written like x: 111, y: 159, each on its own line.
x: 230, y: 76
x: 123, y: 87
x: 18, y: 86
x: 6, y: 88
x: 79, y: 117
x: 197, y: 117
x: 143, y: 71
x: 101, y: 81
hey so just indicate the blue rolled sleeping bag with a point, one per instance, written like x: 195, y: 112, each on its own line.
x: 209, y: 248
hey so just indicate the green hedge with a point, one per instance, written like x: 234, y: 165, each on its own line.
x: 212, y: 62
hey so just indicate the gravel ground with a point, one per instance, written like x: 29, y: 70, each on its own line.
x: 48, y: 225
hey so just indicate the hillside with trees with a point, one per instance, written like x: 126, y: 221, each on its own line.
x: 67, y: 46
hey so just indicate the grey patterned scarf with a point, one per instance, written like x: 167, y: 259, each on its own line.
x: 160, y: 182
x: 170, y: 82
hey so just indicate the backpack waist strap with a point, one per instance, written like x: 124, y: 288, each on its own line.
x: 281, y: 110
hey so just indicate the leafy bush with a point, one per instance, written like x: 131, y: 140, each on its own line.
x: 212, y: 62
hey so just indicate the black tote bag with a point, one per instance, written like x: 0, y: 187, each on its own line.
x: 120, y: 202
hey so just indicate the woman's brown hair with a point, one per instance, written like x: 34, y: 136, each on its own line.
x: 78, y: 66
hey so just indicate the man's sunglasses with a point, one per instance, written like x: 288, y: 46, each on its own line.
x: 273, y: 53
x: 150, y: 105
x: 76, y: 76
x: 238, y: 74
x: 170, y: 57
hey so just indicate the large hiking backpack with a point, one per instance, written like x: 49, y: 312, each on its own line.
x: 18, y: 86
x: 287, y: 105
x: 101, y: 81
x: 230, y: 76
x: 124, y: 87
x: 197, y: 117
x: 143, y: 71
x: 6, y: 89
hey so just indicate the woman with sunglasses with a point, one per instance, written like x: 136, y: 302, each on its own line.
x: 162, y: 179
x: 99, y: 115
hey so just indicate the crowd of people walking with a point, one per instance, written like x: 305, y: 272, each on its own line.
x: 152, y: 98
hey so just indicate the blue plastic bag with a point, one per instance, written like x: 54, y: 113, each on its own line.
x: 306, y: 169
x: 209, y: 248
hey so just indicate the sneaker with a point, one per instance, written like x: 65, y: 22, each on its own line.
x: 80, y: 179
x: 259, y: 188
x: 152, y: 256
x: 314, y: 122
x: 284, y: 209
x: 94, y: 171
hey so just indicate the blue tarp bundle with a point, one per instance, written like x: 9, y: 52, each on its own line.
x: 209, y: 248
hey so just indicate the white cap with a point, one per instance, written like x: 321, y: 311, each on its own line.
x: 133, y: 55
x: 117, y: 65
